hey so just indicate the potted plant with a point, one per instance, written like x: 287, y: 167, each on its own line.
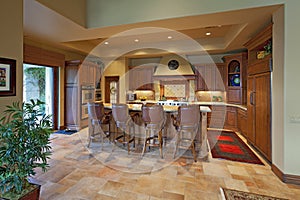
x: 24, y: 146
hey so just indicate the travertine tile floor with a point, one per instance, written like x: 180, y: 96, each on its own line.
x: 79, y: 173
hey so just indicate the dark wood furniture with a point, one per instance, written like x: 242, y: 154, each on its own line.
x: 80, y: 82
x: 235, y: 82
x: 259, y: 93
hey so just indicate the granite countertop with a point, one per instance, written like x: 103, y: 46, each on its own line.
x: 201, y: 103
x: 167, y: 108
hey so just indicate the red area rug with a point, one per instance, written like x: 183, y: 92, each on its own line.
x: 227, y: 145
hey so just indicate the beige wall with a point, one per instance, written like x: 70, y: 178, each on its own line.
x: 75, y: 10
x: 291, y: 87
x: 278, y: 89
x: 101, y: 13
x: 116, y: 68
x: 11, y: 40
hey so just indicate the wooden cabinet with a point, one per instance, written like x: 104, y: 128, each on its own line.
x: 80, y: 81
x: 141, y: 78
x: 235, y: 81
x: 259, y: 112
x: 259, y: 93
x: 222, y: 117
x: 210, y: 77
x: 216, y: 118
x: 242, y: 122
x: 231, y: 118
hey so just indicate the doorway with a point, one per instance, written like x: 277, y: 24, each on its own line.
x: 39, y: 82
x: 111, y: 89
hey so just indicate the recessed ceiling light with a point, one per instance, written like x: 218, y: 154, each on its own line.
x: 170, y: 37
x: 136, y: 40
x: 208, y: 33
x: 106, y: 43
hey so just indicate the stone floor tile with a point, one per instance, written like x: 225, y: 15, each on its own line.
x: 79, y: 173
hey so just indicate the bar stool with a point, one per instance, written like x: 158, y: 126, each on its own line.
x: 97, y: 118
x: 154, y: 119
x: 123, y: 122
x: 187, y: 125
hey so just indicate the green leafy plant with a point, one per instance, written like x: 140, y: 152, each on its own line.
x: 24, y: 144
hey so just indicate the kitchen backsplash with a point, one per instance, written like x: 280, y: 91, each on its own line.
x: 144, y: 94
x: 208, y: 96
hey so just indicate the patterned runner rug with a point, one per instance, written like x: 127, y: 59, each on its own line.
x: 230, y: 194
x: 227, y: 145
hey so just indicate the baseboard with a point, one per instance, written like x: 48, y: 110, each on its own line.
x: 286, y: 178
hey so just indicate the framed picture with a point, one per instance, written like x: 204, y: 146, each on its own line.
x: 7, y: 77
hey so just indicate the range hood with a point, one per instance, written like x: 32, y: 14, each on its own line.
x: 173, y: 66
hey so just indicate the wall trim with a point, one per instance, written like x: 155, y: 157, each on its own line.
x: 286, y: 178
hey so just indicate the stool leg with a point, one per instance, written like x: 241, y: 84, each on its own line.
x: 160, y: 140
x: 145, y: 142
x: 90, y: 135
x: 193, y: 150
x: 177, y: 143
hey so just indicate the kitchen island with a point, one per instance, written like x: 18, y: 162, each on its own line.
x: 169, y: 132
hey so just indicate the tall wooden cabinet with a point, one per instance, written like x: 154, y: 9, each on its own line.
x: 80, y: 82
x: 236, y: 66
x: 259, y: 92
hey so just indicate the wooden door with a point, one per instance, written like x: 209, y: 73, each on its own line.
x: 262, y: 114
x: 250, y: 109
x: 109, y: 90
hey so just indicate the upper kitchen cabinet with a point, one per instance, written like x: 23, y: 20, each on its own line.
x: 236, y: 67
x: 81, y: 73
x: 141, y: 78
x: 210, y: 77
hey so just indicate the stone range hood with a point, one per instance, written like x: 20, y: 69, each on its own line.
x: 184, y: 70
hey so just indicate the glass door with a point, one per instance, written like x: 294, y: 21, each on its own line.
x: 38, y: 83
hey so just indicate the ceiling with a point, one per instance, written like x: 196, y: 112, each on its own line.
x: 229, y: 30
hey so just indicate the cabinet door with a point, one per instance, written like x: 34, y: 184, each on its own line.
x: 220, y: 84
x: 250, y: 109
x: 242, y: 122
x: 210, y: 76
x: 200, y: 73
x: 140, y: 78
x: 231, y: 118
x: 262, y: 113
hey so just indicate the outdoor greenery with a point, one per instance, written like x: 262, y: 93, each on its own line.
x: 38, y: 74
x: 24, y: 144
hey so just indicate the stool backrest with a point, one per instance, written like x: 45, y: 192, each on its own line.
x: 189, y: 115
x: 120, y: 112
x: 153, y: 114
x: 96, y: 111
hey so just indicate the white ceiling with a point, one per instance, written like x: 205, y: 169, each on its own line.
x: 230, y: 30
